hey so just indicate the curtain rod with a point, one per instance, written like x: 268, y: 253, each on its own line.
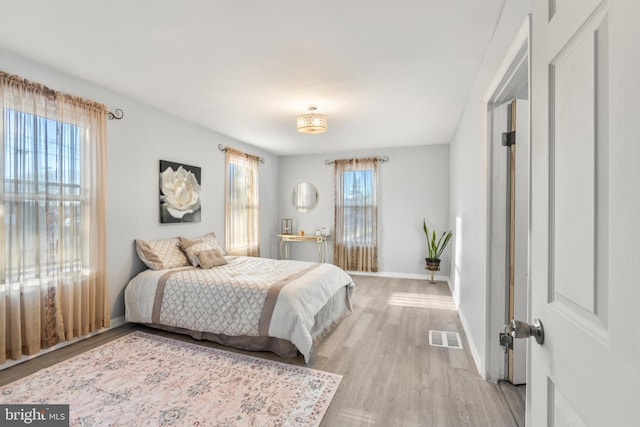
x: 383, y: 159
x: 117, y: 114
x: 223, y: 148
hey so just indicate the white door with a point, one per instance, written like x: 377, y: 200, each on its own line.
x: 585, y: 226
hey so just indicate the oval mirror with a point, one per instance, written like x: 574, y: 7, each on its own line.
x: 305, y: 197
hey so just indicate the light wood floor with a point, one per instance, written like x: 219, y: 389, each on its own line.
x: 516, y: 396
x: 392, y: 376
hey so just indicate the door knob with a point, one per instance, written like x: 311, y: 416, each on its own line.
x: 520, y: 329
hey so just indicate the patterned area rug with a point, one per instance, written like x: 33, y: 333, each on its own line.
x: 143, y: 379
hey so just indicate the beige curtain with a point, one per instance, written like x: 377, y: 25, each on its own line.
x: 355, y: 245
x: 242, y: 229
x: 52, y: 218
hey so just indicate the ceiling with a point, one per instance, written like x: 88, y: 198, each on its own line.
x: 386, y: 72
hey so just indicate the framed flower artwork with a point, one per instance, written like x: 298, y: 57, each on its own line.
x: 179, y: 192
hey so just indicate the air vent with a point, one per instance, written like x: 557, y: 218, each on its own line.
x: 445, y: 339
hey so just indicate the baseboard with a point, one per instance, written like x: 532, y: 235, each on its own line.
x: 114, y: 323
x: 472, y: 346
x: 400, y: 275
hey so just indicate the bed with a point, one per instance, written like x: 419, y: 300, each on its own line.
x: 247, y: 302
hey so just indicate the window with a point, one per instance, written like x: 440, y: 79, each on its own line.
x: 242, y: 205
x: 42, y: 187
x: 53, y: 283
x: 356, y: 218
x: 358, y: 208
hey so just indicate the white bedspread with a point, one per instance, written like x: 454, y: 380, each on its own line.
x: 292, y: 318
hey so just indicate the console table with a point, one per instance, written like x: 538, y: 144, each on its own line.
x: 321, y: 241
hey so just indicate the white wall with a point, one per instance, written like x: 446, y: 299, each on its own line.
x: 469, y: 188
x: 413, y: 184
x: 135, y: 146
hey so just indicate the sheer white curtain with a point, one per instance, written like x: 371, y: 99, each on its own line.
x: 242, y: 229
x: 52, y: 218
x: 355, y: 245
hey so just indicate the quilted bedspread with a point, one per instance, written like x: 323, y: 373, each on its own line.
x: 246, y: 297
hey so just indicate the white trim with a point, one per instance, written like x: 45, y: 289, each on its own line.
x: 118, y: 321
x: 510, y: 57
x: 475, y: 354
x: 400, y: 275
x: 504, y: 71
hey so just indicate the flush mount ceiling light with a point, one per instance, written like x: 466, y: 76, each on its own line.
x: 312, y: 122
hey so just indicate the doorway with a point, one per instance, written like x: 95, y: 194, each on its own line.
x: 508, y: 217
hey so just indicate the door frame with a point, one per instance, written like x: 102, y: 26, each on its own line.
x: 513, y: 69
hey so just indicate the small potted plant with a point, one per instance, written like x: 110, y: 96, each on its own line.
x: 436, y: 246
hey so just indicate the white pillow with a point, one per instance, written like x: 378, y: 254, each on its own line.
x: 161, y: 254
x: 192, y: 247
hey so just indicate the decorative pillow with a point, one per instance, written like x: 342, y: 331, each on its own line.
x: 161, y: 254
x: 191, y: 247
x: 211, y: 258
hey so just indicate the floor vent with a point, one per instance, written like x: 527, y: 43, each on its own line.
x: 445, y: 339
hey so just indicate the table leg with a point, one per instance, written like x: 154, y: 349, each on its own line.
x: 324, y: 251
x: 280, y: 250
x: 320, y: 251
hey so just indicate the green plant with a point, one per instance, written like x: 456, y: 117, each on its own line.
x: 434, y: 244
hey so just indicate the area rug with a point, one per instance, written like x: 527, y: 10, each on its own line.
x: 144, y: 379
